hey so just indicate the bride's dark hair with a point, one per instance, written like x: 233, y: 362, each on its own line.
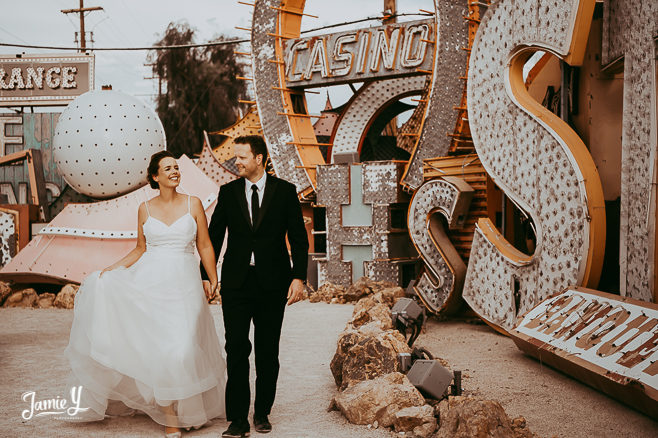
x: 154, y: 166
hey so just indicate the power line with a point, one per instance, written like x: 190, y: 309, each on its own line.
x: 15, y: 36
x: 89, y: 49
x: 191, y: 46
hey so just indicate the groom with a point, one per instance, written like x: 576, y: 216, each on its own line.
x: 257, y: 280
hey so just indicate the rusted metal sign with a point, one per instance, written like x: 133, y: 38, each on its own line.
x: 36, y: 80
x: 606, y: 341
x: 378, y: 52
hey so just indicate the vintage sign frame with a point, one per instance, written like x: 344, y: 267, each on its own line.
x: 389, y: 51
x: 61, y: 77
x: 603, y: 340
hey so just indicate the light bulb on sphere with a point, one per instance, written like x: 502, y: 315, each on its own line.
x: 103, y: 143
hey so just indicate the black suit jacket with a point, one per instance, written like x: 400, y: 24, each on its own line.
x: 280, y: 214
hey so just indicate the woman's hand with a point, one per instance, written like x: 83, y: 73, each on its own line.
x: 210, y: 289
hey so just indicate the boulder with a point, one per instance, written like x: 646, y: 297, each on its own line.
x: 45, y: 300
x: 364, y: 355
x: 418, y: 419
x: 378, y: 312
x: 22, y: 298
x: 365, y: 304
x: 521, y: 430
x: 378, y: 400
x: 466, y: 417
x: 327, y: 292
x: 390, y: 295
x: 5, y: 291
x: 65, y: 299
x: 364, y: 287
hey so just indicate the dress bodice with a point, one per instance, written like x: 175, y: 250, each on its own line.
x: 179, y: 236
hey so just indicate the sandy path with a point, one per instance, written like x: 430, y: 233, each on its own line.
x: 32, y: 342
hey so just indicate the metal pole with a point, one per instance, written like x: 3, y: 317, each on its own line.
x: 83, y: 37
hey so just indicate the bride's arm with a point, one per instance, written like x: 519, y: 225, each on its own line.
x: 140, y: 247
x: 203, y: 243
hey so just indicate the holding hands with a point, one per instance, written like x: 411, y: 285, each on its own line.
x: 210, y: 289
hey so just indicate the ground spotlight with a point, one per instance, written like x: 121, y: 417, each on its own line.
x: 408, y: 316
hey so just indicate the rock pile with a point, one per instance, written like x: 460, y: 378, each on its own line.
x: 64, y: 299
x: 336, y: 294
x: 373, y: 391
x: 365, y: 367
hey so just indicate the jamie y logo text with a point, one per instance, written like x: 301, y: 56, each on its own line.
x: 54, y: 406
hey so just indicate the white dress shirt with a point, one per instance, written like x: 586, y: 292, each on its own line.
x: 260, y: 185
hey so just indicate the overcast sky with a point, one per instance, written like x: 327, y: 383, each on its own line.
x: 137, y: 23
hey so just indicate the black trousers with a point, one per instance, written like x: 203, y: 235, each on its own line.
x: 265, y: 308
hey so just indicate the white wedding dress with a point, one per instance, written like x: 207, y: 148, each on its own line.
x: 143, y: 337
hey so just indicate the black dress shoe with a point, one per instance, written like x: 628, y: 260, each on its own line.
x: 237, y: 429
x: 262, y: 424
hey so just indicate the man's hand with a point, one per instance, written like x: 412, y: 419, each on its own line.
x: 209, y: 289
x: 295, y: 291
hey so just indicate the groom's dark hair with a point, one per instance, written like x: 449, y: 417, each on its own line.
x: 257, y: 144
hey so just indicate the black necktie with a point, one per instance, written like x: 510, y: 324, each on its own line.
x: 254, y: 204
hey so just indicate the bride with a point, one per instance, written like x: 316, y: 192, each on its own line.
x: 143, y: 338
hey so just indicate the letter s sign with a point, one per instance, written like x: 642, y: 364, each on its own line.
x: 535, y: 158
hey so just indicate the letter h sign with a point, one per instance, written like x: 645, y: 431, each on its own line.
x: 362, y: 238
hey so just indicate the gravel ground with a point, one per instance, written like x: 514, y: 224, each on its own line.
x: 552, y: 403
x: 32, y: 342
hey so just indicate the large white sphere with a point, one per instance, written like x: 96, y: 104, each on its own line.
x: 103, y: 143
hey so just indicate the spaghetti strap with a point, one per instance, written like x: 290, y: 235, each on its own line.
x: 188, y: 204
x: 146, y: 203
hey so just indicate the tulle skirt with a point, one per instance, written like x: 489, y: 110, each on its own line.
x: 143, y: 339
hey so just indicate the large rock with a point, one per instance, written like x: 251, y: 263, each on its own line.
x: 418, y: 419
x: 366, y: 354
x: 45, y: 300
x: 328, y: 293
x: 364, y: 286
x: 378, y: 400
x: 22, y: 298
x: 390, y: 295
x: 5, y: 291
x: 65, y: 299
x: 378, y: 312
x: 467, y: 417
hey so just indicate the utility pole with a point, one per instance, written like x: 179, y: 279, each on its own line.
x: 155, y: 76
x: 390, y: 8
x: 81, y: 10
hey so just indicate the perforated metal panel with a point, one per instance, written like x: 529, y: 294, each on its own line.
x: 209, y: 164
x: 8, y: 236
x: 441, y: 286
x: 352, y: 126
x: 379, y: 189
x: 629, y: 31
x: 277, y: 132
x: 247, y: 125
x: 103, y: 142
x: 445, y: 94
x: 539, y: 163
